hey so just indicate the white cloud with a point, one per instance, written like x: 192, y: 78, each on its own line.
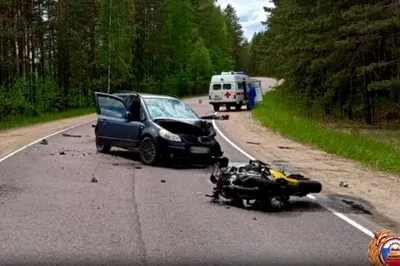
x: 251, y: 13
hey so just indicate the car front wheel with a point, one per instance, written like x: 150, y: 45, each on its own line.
x: 102, y: 148
x: 149, y: 151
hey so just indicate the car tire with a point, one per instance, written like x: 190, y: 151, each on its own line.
x: 149, y: 151
x: 102, y: 148
x: 216, y: 107
x: 238, y: 107
x: 228, y: 107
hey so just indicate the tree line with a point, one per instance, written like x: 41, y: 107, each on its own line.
x: 54, y: 54
x: 338, y: 58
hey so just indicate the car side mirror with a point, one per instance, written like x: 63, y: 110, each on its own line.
x: 128, y: 115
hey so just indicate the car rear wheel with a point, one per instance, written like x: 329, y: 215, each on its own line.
x: 216, y: 107
x: 149, y: 151
x: 102, y: 148
x: 228, y: 107
x: 238, y: 107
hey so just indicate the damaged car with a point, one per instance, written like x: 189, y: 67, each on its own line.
x: 154, y: 126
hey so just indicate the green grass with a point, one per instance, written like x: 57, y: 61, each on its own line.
x: 273, y: 113
x: 21, y: 121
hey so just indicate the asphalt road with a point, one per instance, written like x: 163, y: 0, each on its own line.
x: 53, y: 213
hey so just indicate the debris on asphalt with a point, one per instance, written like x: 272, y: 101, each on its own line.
x: 254, y: 143
x: 138, y: 167
x: 163, y: 181
x: 93, y: 125
x: 72, y: 135
x: 200, y: 100
x: 343, y: 184
x: 215, y: 117
x: 62, y: 153
x: 115, y: 163
x: 43, y: 142
x: 94, y: 180
x: 254, y: 218
x: 357, y: 206
x: 284, y: 147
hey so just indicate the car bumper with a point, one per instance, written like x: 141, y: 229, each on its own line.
x: 189, y: 151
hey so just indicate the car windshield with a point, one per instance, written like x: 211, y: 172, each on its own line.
x: 169, y: 108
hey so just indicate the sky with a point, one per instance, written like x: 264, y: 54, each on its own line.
x: 251, y: 14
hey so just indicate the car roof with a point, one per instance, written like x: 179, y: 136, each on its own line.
x: 147, y: 95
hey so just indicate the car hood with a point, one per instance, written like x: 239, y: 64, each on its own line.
x: 196, y: 127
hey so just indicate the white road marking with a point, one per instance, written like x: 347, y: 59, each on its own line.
x: 336, y: 213
x: 36, y: 141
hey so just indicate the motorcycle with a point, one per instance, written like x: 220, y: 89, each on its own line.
x: 257, y: 184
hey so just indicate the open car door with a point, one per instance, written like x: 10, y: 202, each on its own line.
x: 115, y: 122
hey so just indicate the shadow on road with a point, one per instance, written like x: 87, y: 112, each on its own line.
x: 294, y: 208
x: 163, y: 164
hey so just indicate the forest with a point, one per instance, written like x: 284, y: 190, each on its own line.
x: 339, y: 59
x: 55, y: 53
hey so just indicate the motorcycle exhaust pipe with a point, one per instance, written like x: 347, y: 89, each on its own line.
x: 309, y: 186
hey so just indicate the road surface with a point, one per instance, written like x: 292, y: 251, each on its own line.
x: 141, y: 215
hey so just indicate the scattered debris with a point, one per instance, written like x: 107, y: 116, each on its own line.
x: 254, y: 143
x: 62, y: 153
x: 72, y: 135
x: 254, y: 218
x: 357, y: 206
x: 94, y: 180
x: 43, y: 142
x: 228, y: 207
x: 200, y: 100
x: 163, y: 181
x: 93, y: 125
x: 215, y: 117
x: 138, y: 167
x: 115, y: 163
x: 284, y: 147
x: 98, y: 208
x: 343, y: 184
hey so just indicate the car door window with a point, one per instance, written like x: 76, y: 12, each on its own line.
x: 217, y: 87
x: 112, y: 107
x: 142, y: 114
x: 227, y: 87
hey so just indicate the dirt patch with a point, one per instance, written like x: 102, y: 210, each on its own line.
x: 14, y: 139
x: 379, y: 189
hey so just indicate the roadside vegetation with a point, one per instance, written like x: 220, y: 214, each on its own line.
x: 341, y: 64
x: 55, y: 54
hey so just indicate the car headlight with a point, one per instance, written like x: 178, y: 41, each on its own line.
x: 169, y: 136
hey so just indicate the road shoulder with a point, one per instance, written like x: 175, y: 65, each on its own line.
x: 374, y: 191
x: 14, y: 139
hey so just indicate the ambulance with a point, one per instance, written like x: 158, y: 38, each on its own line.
x: 228, y: 89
